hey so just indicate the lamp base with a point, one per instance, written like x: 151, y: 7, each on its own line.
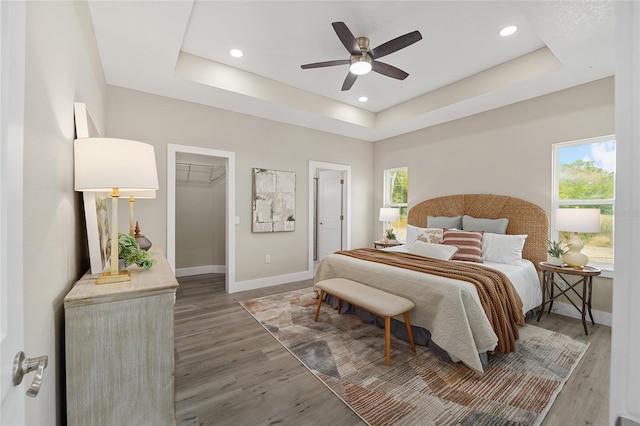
x: 107, y: 277
x: 574, y: 258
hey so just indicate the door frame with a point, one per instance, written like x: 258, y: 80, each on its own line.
x: 314, y: 166
x: 12, y: 85
x: 230, y: 234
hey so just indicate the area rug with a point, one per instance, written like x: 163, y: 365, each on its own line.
x: 348, y: 356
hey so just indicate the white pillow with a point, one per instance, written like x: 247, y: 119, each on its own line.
x: 430, y: 235
x: 502, y: 248
x: 434, y: 251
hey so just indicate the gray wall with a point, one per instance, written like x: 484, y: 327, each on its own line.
x: 62, y: 66
x: 505, y: 151
x: 257, y: 143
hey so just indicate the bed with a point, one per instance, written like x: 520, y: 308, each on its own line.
x: 449, y: 317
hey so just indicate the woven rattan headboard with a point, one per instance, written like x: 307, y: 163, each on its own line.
x: 524, y: 217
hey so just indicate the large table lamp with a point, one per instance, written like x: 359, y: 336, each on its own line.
x: 110, y: 165
x: 577, y: 220
x: 388, y: 215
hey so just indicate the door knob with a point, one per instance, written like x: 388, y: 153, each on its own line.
x: 22, y: 366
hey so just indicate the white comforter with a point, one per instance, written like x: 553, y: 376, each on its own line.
x: 450, y: 309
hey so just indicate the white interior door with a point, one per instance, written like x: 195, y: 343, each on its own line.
x: 12, y: 39
x: 330, y: 212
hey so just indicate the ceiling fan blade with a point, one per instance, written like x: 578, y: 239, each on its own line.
x: 396, y: 44
x: 347, y: 38
x: 388, y: 70
x: 325, y: 64
x: 348, y: 82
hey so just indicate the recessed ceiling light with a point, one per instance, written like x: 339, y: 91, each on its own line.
x: 236, y: 53
x: 507, y: 31
x: 363, y: 99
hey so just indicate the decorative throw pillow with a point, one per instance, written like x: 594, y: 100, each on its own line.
x: 444, y: 222
x: 412, y: 234
x: 430, y: 235
x: 434, y: 251
x: 469, y: 244
x: 502, y: 248
x: 496, y: 226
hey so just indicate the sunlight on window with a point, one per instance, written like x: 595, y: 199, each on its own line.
x: 396, y: 185
x: 585, y: 178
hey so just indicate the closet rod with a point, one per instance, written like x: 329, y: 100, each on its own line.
x: 209, y: 166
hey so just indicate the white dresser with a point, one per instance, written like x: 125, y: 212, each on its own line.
x: 119, y: 349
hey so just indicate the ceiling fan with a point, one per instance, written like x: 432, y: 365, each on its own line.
x: 364, y: 59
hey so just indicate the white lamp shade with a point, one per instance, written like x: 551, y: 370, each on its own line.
x: 578, y: 220
x: 102, y: 164
x: 389, y: 214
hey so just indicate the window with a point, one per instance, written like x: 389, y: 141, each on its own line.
x: 396, y: 185
x: 584, y: 177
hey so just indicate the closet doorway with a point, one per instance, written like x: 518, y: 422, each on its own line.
x: 329, y: 209
x: 201, y: 211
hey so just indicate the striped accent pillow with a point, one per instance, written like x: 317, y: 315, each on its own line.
x: 469, y: 244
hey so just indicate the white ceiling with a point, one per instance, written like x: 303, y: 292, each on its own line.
x: 179, y: 49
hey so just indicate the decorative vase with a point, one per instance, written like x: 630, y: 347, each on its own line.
x: 142, y: 241
x: 121, y: 264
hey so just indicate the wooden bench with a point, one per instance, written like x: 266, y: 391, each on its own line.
x: 371, y: 299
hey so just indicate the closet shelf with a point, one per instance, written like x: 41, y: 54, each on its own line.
x: 193, y: 170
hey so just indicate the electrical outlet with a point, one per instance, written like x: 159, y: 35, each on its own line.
x: 267, y: 258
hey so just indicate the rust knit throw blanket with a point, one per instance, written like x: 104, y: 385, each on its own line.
x: 499, y: 300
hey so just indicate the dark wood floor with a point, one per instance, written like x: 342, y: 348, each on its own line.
x: 230, y: 371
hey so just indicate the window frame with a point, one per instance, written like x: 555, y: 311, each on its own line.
x: 607, y: 268
x: 387, y: 191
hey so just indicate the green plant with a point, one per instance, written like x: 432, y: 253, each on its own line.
x: 130, y: 251
x: 390, y: 235
x: 556, y: 249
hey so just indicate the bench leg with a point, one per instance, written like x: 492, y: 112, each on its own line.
x: 319, y: 304
x: 387, y: 338
x: 408, y: 324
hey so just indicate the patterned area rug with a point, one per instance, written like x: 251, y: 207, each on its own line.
x: 348, y: 356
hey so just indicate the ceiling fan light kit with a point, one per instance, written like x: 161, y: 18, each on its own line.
x: 362, y: 59
x: 360, y: 65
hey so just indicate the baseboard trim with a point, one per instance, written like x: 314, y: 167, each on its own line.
x: 199, y: 270
x: 568, y: 310
x: 270, y: 281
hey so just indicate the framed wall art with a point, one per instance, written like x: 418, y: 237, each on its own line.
x: 95, y: 204
x: 274, y: 201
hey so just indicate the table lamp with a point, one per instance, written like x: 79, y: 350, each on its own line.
x: 577, y: 220
x: 389, y: 214
x: 109, y: 165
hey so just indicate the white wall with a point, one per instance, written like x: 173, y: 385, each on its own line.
x: 505, y: 151
x: 257, y: 143
x: 62, y: 66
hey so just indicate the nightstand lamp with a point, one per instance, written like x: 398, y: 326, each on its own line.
x: 577, y: 220
x: 109, y: 165
x: 389, y: 214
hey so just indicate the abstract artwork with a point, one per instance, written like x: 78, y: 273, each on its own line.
x: 95, y: 204
x: 274, y: 201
